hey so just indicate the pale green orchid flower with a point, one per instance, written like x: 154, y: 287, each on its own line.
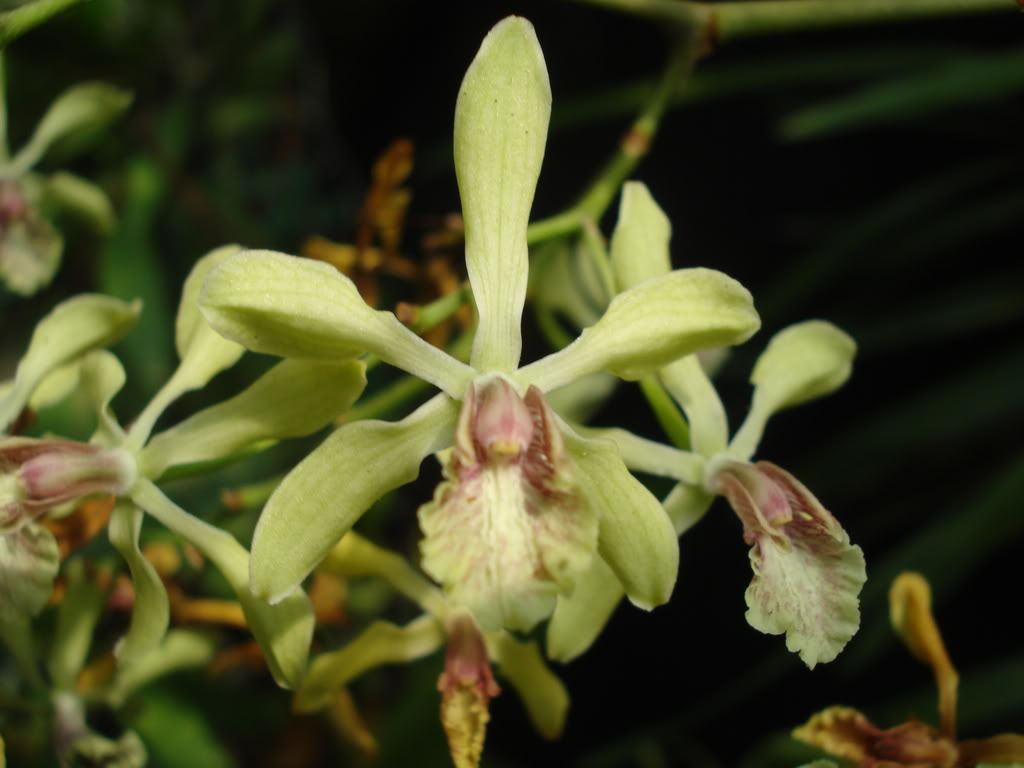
x: 527, y: 503
x: 294, y: 398
x: 467, y: 683
x: 30, y: 247
x: 807, y: 575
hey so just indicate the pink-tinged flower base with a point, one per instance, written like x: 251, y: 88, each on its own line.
x: 509, y: 529
x: 807, y: 575
x: 467, y: 686
x: 41, y: 474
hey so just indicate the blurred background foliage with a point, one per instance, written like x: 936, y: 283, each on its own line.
x: 870, y: 176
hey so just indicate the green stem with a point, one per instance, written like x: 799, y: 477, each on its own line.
x: 389, y: 399
x: 5, y: 152
x: 666, y: 412
x: 17, y: 636
x: 736, y: 20
x: 436, y: 312
x: 728, y: 21
x: 633, y: 147
x: 15, y: 23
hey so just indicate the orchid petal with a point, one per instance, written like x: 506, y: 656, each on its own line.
x: 102, y: 377
x: 283, y: 305
x: 380, y: 643
x: 501, y: 125
x: 331, y: 488
x: 639, y: 245
x: 81, y: 197
x: 565, y: 279
x: 283, y: 630
x: 686, y: 505
x: 77, y: 617
x: 71, y: 329
x: 150, y: 610
x: 650, y: 456
x: 83, y: 106
x: 807, y: 575
x: 180, y: 649
x: 800, y: 363
x: 202, y: 351
x: 294, y: 398
x: 687, y: 382
x: 543, y: 694
x: 29, y: 560
x: 635, y: 537
x: 579, y: 618
x: 652, y: 324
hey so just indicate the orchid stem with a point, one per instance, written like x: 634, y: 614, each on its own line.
x: 632, y: 149
x: 666, y: 412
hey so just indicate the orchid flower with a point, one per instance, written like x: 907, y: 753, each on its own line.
x: 467, y: 683
x: 30, y: 247
x: 807, y: 575
x: 292, y: 399
x: 527, y: 503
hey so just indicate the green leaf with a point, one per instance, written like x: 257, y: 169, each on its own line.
x: 501, y: 126
x: 954, y: 83
x: 294, y: 398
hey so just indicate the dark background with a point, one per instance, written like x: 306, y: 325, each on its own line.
x: 896, y: 215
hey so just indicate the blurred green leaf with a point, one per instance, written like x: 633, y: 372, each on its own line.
x: 177, y: 734
x: 955, y: 83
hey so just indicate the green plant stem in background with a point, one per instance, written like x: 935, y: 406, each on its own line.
x: 436, y: 312
x: 666, y: 412
x: 729, y: 21
x: 633, y: 147
x: 5, y: 152
x: 16, y: 22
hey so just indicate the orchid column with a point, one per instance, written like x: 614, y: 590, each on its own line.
x: 528, y: 504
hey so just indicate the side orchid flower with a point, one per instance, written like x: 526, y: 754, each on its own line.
x: 290, y: 400
x: 807, y: 574
x: 467, y: 682
x: 528, y: 502
x: 30, y: 247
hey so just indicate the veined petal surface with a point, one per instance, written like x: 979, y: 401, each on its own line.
x: 330, y: 489
x: 294, y: 398
x: 639, y: 245
x: 501, y: 126
x: 283, y: 305
x: 636, y: 538
x: 652, y: 324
